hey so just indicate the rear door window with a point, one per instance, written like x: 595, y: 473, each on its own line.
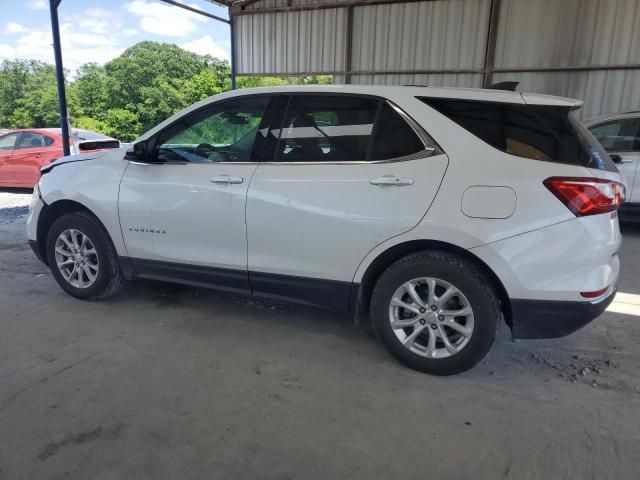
x: 32, y: 140
x: 394, y: 138
x: 619, y: 135
x: 326, y: 128
x: 339, y: 128
x: 546, y: 133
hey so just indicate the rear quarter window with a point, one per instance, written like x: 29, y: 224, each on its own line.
x: 536, y: 132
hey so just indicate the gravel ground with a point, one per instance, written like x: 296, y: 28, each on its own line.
x: 14, y: 205
x: 165, y: 382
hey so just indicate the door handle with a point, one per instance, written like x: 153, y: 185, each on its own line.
x: 226, y: 179
x: 391, y: 180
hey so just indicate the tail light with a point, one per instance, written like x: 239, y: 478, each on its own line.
x: 587, y: 196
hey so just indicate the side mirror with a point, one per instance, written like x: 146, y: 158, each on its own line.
x: 616, y: 158
x: 137, y: 153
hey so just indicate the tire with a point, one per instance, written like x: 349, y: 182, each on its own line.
x: 413, y: 329
x: 102, y: 265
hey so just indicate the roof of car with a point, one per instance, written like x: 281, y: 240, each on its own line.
x: 58, y: 131
x: 485, y: 94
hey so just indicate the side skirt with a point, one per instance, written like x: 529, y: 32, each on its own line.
x: 316, y: 292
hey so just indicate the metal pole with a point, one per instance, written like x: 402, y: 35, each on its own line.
x: 349, y: 46
x: 62, y: 98
x: 232, y: 31
x: 492, y: 36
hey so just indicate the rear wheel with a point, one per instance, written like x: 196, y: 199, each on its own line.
x: 435, y: 312
x: 81, y: 257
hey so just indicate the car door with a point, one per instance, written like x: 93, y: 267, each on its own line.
x: 621, y: 138
x: 349, y: 173
x: 33, y: 150
x: 183, y: 215
x: 7, y: 146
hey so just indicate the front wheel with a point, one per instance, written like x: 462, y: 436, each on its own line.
x: 435, y: 312
x: 81, y: 257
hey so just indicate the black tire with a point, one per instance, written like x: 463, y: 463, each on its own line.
x: 109, y: 278
x: 468, y: 279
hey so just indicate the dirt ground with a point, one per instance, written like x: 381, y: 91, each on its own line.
x: 168, y: 382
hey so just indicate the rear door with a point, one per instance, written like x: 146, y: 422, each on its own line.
x: 7, y: 145
x: 33, y: 150
x: 349, y: 173
x: 621, y: 137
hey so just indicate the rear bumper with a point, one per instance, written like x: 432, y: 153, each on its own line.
x: 629, y: 212
x: 552, y: 319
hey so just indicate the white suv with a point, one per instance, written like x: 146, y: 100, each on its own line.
x: 433, y: 211
x: 619, y: 134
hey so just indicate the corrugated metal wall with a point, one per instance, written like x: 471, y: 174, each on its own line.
x: 305, y: 41
x: 444, y: 42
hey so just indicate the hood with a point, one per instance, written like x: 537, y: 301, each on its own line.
x: 81, y: 157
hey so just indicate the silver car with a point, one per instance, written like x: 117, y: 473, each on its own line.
x: 619, y: 134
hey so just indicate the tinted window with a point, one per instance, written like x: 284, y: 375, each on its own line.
x: 8, y: 141
x: 529, y: 131
x: 32, y: 140
x: 394, y: 138
x: 324, y: 128
x: 618, y: 136
x: 224, y: 132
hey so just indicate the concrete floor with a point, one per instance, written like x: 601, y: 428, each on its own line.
x: 166, y: 382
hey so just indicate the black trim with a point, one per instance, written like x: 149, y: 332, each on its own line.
x: 318, y: 292
x: 36, y: 249
x: 236, y: 281
x: 629, y: 212
x: 553, y: 319
x: 331, y: 294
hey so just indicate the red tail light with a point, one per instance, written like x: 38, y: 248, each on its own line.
x: 587, y: 196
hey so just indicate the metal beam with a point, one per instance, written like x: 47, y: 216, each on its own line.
x: 232, y: 31
x: 492, y: 36
x: 62, y: 97
x: 319, y: 6
x: 196, y: 10
x: 454, y: 71
x: 569, y: 68
x: 349, y: 45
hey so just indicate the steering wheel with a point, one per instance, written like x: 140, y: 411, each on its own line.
x: 205, y: 149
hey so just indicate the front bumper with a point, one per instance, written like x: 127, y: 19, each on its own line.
x: 36, y: 249
x: 553, y: 319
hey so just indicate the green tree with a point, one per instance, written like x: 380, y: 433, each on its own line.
x: 122, y: 124
x: 37, y: 107
x: 88, y: 123
x: 91, y: 89
x: 145, y: 85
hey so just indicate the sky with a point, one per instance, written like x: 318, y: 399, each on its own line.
x: 100, y: 30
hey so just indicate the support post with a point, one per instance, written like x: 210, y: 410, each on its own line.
x: 349, y: 45
x: 232, y: 31
x: 492, y: 35
x: 62, y: 97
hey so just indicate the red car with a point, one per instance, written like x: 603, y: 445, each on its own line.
x: 23, y: 152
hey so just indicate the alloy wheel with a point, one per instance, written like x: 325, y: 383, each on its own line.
x: 431, y: 317
x: 76, y: 258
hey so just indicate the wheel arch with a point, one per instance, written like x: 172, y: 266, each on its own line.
x: 50, y: 213
x: 361, y: 297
